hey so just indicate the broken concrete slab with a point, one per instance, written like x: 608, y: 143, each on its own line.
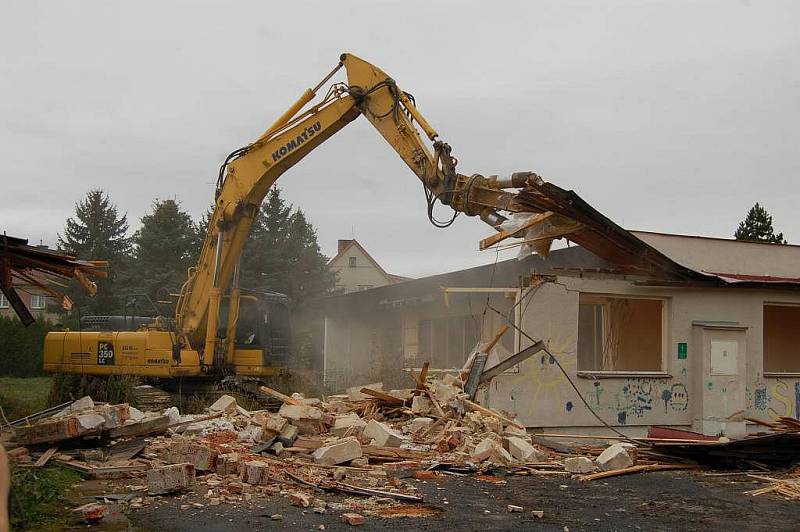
x: 489, y: 449
x: 339, y: 452
x: 274, y: 424
x: 523, y: 451
x: 300, y: 412
x: 614, y: 457
x: 383, y: 435
x: 347, y: 422
x: 226, y: 404
x: 169, y: 479
x: 579, y: 465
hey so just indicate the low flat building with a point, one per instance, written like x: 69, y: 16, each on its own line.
x: 649, y: 328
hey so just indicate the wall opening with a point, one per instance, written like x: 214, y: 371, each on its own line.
x: 620, y: 334
x: 781, y: 339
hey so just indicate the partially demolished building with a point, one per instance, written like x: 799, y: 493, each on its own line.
x: 653, y: 329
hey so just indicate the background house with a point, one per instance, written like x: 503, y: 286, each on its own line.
x: 356, y: 270
x: 34, y: 298
x: 700, y: 332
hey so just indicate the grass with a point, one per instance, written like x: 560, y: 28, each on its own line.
x: 37, y: 498
x: 20, y: 397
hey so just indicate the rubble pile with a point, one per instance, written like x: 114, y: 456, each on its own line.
x: 367, y: 448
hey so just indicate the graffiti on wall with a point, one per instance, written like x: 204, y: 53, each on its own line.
x: 638, y: 397
x: 548, y: 381
x: 781, y: 403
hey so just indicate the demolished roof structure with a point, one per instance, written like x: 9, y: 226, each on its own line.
x: 586, y: 226
x: 42, y: 267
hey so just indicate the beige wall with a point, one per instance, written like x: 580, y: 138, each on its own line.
x: 364, y: 274
x: 543, y: 397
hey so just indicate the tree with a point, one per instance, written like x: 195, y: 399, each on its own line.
x: 166, y: 246
x: 98, y: 232
x: 757, y: 226
x: 282, y: 253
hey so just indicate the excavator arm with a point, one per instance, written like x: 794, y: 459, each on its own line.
x: 248, y: 173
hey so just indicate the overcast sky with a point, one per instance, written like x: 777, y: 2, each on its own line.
x: 666, y: 116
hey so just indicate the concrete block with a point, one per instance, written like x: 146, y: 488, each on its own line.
x: 253, y: 472
x: 203, y: 458
x: 383, y: 435
x: 614, y: 457
x: 345, y: 422
x: 226, y: 403
x: 273, y: 424
x: 421, y: 405
x: 491, y: 450
x: 523, y: 451
x: 169, y: 479
x: 578, y: 465
x: 339, y: 452
x: 300, y: 412
x: 288, y: 435
x: 228, y: 464
x: 354, y: 393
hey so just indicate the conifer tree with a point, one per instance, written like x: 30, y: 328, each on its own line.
x: 98, y: 232
x: 757, y: 226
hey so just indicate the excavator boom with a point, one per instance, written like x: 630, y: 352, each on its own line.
x: 248, y: 174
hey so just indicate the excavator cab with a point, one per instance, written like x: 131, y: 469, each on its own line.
x: 263, y: 332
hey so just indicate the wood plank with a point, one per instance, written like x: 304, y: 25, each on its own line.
x: 279, y: 396
x: 637, y: 469
x: 502, y: 235
x: 48, y: 454
x: 423, y: 375
x: 385, y: 397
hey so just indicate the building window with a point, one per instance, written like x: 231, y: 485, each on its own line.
x: 37, y: 302
x: 781, y: 339
x: 620, y: 334
x: 447, y: 342
x: 3, y: 301
x: 353, y: 262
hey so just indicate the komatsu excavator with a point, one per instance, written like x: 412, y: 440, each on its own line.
x: 220, y: 329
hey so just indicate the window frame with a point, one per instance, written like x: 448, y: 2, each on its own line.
x: 4, y: 302
x: 43, y: 301
x: 665, y: 336
x: 352, y: 262
x: 764, y: 371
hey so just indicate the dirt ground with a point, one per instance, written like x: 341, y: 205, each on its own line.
x: 653, y: 501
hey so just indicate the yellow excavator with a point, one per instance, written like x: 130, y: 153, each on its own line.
x: 220, y: 329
